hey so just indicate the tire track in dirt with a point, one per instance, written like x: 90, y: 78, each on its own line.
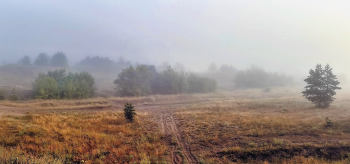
x: 180, y: 151
x: 163, y: 114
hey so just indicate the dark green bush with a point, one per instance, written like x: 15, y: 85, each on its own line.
x: 129, y: 112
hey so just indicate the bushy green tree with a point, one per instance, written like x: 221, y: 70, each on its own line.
x: 59, y: 59
x: 46, y: 87
x: 321, y: 86
x: 129, y: 112
x: 42, y: 60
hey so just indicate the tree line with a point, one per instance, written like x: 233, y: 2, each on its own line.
x: 256, y: 77
x: 59, y: 59
x: 144, y: 80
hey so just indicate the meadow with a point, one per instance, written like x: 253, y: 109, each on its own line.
x: 242, y: 126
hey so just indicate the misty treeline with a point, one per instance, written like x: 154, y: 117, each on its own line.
x: 102, y: 64
x: 59, y: 59
x: 229, y: 77
x: 145, y: 80
x: 89, y: 64
x: 256, y: 77
x: 139, y: 80
x: 59, y: 85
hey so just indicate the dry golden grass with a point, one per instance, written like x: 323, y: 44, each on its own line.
x: 93, y: 103
x: 93, y: 137
x: 247, y: 126
x: 270, y: 127
x: 167, y: 99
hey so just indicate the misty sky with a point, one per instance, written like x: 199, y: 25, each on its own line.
x: 290, y: 36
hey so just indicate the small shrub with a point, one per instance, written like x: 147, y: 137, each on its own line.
x: 2, y: 94
x: 129, y: 112
x: 13, y: 96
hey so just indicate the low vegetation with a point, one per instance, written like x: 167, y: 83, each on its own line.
x: 95, y: 103
x: 264, y: 129
x: 79, y: 138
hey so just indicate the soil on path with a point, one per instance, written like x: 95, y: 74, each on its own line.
x: 163, y: 114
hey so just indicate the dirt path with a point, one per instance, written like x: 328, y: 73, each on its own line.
x: 180, y: 151
x: 13, y: 111
x: 163, y: 114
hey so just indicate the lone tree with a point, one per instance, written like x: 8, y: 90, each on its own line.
x: 42, y: 60
x: 129, y: 112
x: 59, y: 59
x: 321, y: 86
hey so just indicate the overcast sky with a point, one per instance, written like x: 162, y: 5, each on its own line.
x: 289, y: 36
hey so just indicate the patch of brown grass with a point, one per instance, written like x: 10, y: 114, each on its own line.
x: 95, y: 137
x: 266, y: 127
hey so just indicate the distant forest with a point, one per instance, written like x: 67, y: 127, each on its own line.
x: 106, y: 71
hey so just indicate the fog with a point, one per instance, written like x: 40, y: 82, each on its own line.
x: 279, y: 36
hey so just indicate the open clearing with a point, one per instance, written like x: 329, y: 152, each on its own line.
x: 248, y: 126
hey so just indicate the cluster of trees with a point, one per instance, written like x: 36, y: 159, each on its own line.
x: 59, y: 59
x: 144, y: 80
x: 255, y: 77
x: 59, y: 85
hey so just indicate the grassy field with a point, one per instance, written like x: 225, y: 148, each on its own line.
x: 247, y: 126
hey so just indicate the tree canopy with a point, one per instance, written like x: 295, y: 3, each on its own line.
x: 59, y: 59
x: 42, y: 60
x: 321, y: 86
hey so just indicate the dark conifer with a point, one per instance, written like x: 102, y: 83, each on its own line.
x: 321, y: 87
x: 129, y: 112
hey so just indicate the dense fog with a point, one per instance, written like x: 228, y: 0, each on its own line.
x: 216, y: 39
